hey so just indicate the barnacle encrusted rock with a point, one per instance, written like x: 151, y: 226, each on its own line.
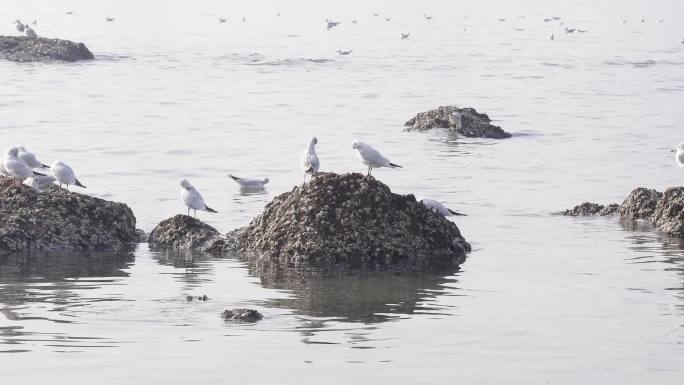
x: 640, y: 204
x: 465, y: 121
x: 669, y: 212
x: 187, y: 233
x: 588, y: 208
x: 242, y: 315
x: 58, y: 220
x: 26, y: 49
x: 350, y: 220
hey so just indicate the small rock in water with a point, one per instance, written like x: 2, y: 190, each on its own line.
x: 25, y: 49
x: 191, y: 298
x: 588, y: 208
x: 186, y: 233
x: 465, y: 121
x: 242, y: 315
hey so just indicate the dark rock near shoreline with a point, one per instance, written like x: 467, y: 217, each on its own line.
x: 25, y: 49
x: 350, y: 220
x: 59, y: 220
x: 465, y: 121
x: 588, y: 208
x: 669, y: 212
x: 187, y: 233
x: 242, y: 315
x: 640, y: 204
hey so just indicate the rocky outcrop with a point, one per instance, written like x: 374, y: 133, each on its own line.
x: 26, y: 49
x: 588, y: 208
x: 465, y: 121
x: 640, y: 204
x: 242, y: 315
x: 59, y: 220
x: 350, y: 220
x: 669, y: 212
x: 187, y: 233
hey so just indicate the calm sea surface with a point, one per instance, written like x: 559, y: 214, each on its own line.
x: 173, y: 93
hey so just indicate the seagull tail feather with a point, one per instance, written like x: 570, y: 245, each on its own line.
x: 233, y: 177
x: 395, y: 165
x: 44, y: 165
x: 456, y: 213
x: 79, y: 184
x: 37, y: 173
x: 210, y: 209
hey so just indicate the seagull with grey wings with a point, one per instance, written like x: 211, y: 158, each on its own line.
x: 371, y: 157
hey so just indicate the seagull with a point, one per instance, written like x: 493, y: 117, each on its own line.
x: 679, y: 156
x: 376, y: 14
x: 502, y: 19
x: 427, y: 17
x: 331, y: 24
x: 405, y: 36
x: 569, y: 30
x: 518, y: 29
x: 249, y: 183
x: 30, y: 32
x: 552, y: 37
x: 39, y: 182
x: 15, y: 166
x: 109, y: 18
x: 437, y: 207
x: 221, y: 20
x: 556, y: 17
x: 624, y: 21
x: 643, y: 20
x: 64, y: 174
x: 681, y: 41
x: 192, y: 198
x: 547, y: 20
x: 371, y: 157
x: 354, y: 22
x: 310, y: 162
x: 35, y: 22
x: 30, y: 159
x: 388, y: 18
x: 581, y: 30
x: 340, y: 52
x: 660, y: 20
x: 70, y: 13
x: 244, y: 19
x: 20, y: 26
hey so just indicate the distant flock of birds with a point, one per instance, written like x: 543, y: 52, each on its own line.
x: 25, y: 29
x: 20, y: 164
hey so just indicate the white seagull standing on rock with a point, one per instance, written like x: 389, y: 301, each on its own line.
x: 64, y: 174
x: 679, y: 156
x: 371, y: 157
x: 30, y: 32
x: 192, y: 198
x: 249, y: 183
x: 20, y: 26
x: 437, y: 207
x: 14, y: 166
x: 310, y: 162
x: 30, y: 158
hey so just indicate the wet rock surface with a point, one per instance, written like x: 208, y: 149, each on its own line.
x: 669, y: 212
x: 187, y: 233
x: 242, y: 315
x: 25, y: 49
x: 465, y: 121
x: 640, y: 204
x: 588, y: 208
x: 59, y: 220
x: 350, y: 220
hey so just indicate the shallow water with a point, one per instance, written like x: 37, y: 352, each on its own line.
x: 541, y: 299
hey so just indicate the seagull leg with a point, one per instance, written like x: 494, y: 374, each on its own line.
x: 194, y: 213
x: 188, y: 211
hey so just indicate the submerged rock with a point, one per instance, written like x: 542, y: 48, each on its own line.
x: 186, y: 233
x: 351, y: 220
x: 25, y: 49
x: 57, y: 220
x: 242, y: 315
x: 465, y: 121
x: 669, y: 212
x: 588, y: 208
x: 640, y: 204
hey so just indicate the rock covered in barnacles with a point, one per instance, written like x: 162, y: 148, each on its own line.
x: 26, y: 49
x: 186, y: 233
x: 60, y: 220
x: 669, y: 212
x: 352, y: 220
x: 640, y: 204
x: 588, y: 208
x: 465, y: 121
x: 242, y: 315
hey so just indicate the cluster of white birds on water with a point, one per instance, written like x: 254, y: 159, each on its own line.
x: 20, y: 164
x: 310, y: 165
